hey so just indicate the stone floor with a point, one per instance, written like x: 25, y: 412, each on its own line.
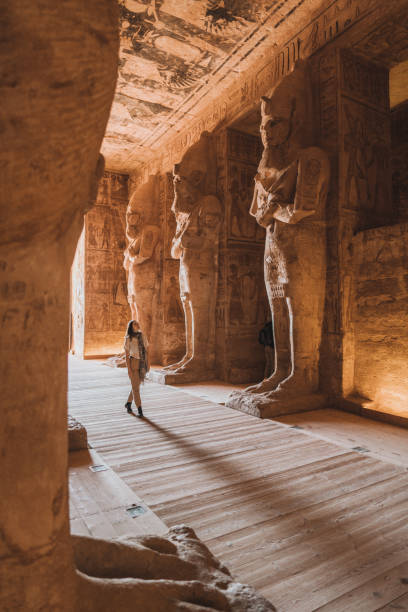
x: 311, y: 510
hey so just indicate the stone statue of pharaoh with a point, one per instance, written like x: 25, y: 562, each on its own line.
x: 142, y: 257
x: 289, y: 201
x: 195, y: 244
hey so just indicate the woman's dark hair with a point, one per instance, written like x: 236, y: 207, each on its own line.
x: 130, y: 333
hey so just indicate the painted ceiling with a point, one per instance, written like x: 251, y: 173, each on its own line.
x: 169, y: 48
x: 180, y: 58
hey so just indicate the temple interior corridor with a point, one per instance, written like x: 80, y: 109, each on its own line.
x: 212, y: 194
x: 311, y: 510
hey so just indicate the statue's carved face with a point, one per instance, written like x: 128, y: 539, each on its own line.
x: 187, y: 181
x: 275, y: 130
x: 134, y: 223
x: 211, y: 220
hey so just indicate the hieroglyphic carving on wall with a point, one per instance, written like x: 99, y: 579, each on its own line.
x: 327, y: 86
x: 365, y: 135
x: 387, y: 44
x: 354, y: 127
x: 362, y: 83
x: 240, y: 190
x: 106, y: 307
x: 245, y: 148
x: 243, y: 153
x: 246, y: 305
x: 366, y: 146
x: 242, y: 307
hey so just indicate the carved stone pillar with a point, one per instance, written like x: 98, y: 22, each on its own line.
x: 57, y: 87
x: 242, y: 305
x: 354, y: 127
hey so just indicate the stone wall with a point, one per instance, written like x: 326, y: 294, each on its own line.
x: 99, y: 289
x: 381, y: 317
x: 354, y: 129
x: 242, y: 307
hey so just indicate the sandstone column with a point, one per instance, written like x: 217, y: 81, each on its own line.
x: 57, y: 86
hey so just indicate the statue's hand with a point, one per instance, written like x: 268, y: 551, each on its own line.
x: 265, y: 212
x: 286, y: 213
x: 176, y: 250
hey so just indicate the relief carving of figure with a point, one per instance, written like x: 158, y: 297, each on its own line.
x: 195, y: 244
x: 142, y: 257
x: 289, y: 201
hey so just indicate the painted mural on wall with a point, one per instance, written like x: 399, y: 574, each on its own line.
x: 107, y: 308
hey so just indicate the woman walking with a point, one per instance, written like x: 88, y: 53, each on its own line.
x: 137, y: 363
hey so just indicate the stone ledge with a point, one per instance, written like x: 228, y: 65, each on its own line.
x: 264, y: 407
x: 77, y: 435
x: 364, y: 407
x: 169, y: 377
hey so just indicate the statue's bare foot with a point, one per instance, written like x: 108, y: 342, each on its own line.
x: 292, y: 385
x: 192, y: 365
x: 269, y: 384
x: 178, y: 364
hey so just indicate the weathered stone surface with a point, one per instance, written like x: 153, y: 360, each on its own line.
x: 77, y: 435
x: 289, y: 201
x: 354, y: 128
x: 98, y: 280
x: 151, y: 573
x: 380, y: 317
x: 58, y: 80
x: 242, y: 305
x: 265, y: 406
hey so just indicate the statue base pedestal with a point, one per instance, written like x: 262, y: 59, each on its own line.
x: 172, y: 377
x: 264, y: 406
